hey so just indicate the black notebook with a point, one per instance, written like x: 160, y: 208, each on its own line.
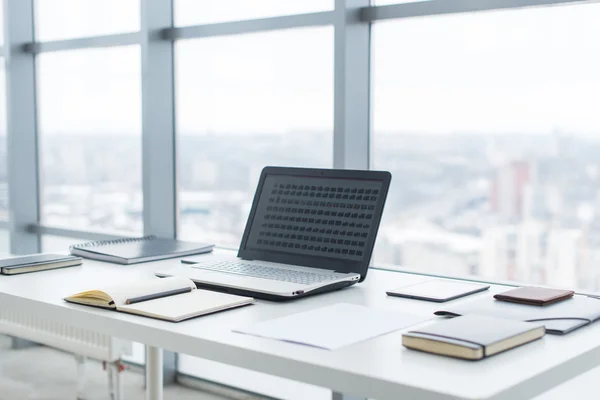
x: 36, y: 262
x: 137, y: 250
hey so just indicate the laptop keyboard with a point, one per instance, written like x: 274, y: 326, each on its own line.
x: 265, y: 272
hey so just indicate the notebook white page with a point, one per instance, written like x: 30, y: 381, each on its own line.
x: 187, y: 305
x: 333, y: 326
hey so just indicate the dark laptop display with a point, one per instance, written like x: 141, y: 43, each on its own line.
x: 317, y: 218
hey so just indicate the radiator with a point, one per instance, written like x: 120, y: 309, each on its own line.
x: 73, y: 340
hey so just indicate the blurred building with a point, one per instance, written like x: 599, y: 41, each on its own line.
x: 420, y: 244
x: 532, y: 252
x: 509, y: 187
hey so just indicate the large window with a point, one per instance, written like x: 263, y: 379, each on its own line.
x: 194, y: 12
x: 3, y: 154
x: 4, y: 242
x: 67, y: 19
x: 4, y: 233
x: 489, y: 123
x: 1, y: 25
x: 3, y: 164
x: 89, y: 108
x: 244, y: 102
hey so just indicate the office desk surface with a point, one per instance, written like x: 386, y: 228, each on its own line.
x: 379, y: 368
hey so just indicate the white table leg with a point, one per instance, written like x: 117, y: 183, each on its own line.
x: 115, y: 385
x: 80, y: 376
x: 154, y: 373
x: 341, y: 396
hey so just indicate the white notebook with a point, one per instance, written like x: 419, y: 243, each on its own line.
x: 171, y: 299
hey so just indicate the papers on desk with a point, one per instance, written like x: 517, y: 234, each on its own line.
x: 558, y: 318
x: 333, y: 326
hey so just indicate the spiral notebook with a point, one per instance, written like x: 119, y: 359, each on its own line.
x: 138, y: 250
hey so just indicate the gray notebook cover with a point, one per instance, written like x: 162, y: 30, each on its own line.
x: 34, y: 259
x: 134, y: 250
x: 559, y: 318
x: 36, y: 262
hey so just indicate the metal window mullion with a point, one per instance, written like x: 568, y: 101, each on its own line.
x: 21, y: 125
x: 351, y: 141
x: 121, y: 39
x: 158, y: 134
x: 158, y: 120
x: 250, y: 26
x: 444, y: 7
x: 72, y: 233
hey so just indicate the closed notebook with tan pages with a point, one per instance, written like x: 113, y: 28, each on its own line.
x: 472, y: 337
x: 171, y: 299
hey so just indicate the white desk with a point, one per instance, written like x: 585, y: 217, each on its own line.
x: 380, y: 368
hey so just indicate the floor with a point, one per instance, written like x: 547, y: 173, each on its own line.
x: 42, y: 373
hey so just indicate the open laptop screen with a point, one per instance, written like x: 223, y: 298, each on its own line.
x: 318, y: 218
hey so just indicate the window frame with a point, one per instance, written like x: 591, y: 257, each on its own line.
x: 351, y: 20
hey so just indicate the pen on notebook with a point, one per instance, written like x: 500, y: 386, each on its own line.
x: 157, y: 295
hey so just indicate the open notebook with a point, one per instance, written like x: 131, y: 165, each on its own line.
x: 558, y: 318
x: 171, y: 299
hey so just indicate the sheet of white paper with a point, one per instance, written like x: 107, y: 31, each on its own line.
x: 333, y: 326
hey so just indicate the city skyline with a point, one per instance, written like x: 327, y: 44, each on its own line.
x: 453, y: 202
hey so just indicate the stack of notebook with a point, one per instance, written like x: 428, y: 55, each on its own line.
x: 137, y: 250
x: 489, y: 326
x: 560, y: 311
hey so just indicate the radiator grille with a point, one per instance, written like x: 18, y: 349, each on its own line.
x: 75, y: 340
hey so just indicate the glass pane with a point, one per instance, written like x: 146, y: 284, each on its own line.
x: 489, y: 123
x: 4, y: 233
x: 90, y: 138
x: 138, y: 354
x: 245, y: 102
x: 67, y: 19
x: 3, y: 147
x: 194, y: 12
x: 4, y: 242
x: 58, y: 244
x: 1, y: 23
x: 386, y: 2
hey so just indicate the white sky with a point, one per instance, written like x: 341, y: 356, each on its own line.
x: 532, y: 70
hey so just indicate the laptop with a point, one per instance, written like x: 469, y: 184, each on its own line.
x: 309, y: 231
